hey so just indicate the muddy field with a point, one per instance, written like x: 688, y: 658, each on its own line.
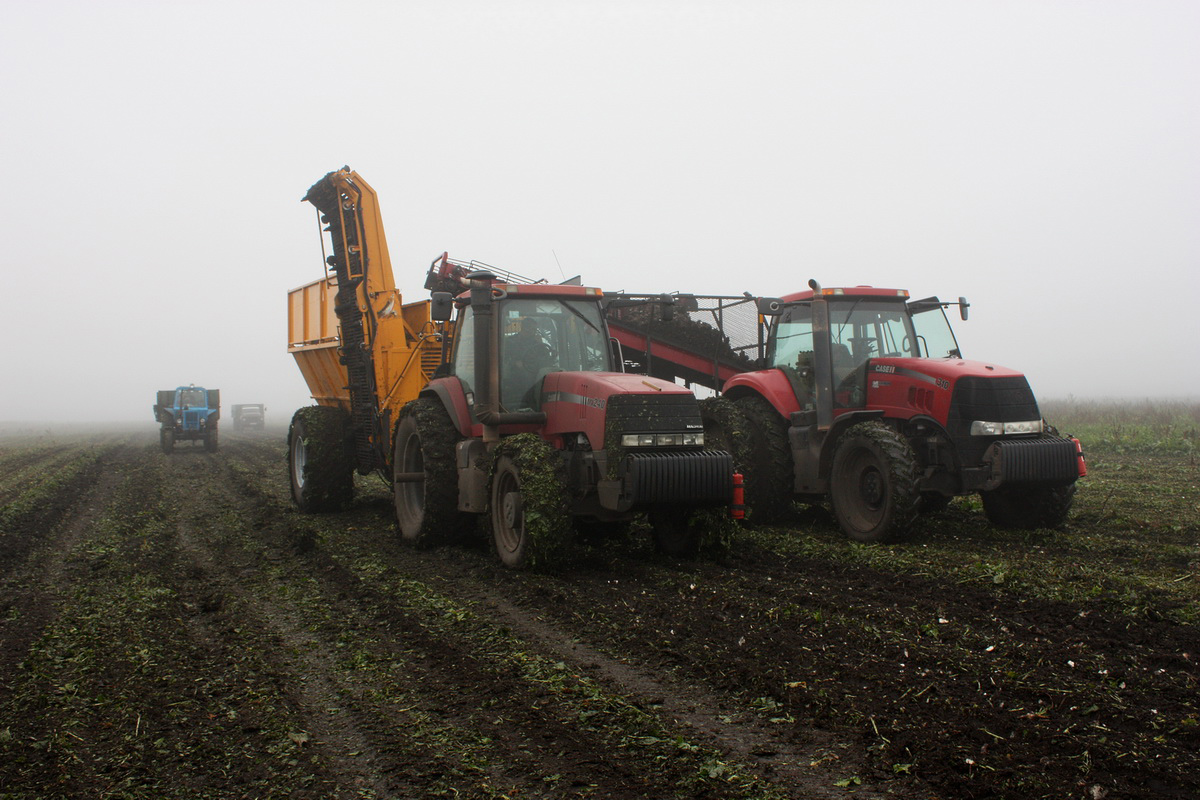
x: 172, y: 627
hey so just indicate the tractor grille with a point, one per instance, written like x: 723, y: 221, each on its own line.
x: 648, y: 413
x: 696, y: 478
x: 1049, y: 459
x: 989, y: 399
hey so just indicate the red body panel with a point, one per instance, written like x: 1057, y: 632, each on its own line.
x: 772, y: 384
x: 849, y: 291
x: 576, y: 402
x: 907, y: 387
x: 901, y: 387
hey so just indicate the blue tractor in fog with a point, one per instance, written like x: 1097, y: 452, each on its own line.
x: 188, y: 413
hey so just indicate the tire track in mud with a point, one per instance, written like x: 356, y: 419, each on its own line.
x: 707, y: 717
x: 226, y: 580
x: 807, y: 760
x: 21, y: 467
x: 797, y: 760
x: 473, y: 693
x: 36, y: 556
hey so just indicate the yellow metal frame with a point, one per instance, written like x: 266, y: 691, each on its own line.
x: 404, y: 342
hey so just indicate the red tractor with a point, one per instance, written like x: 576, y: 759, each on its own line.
x: 860, y: 396
x: 497, y: 397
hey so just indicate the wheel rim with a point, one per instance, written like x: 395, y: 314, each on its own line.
x: 299, y: 459
x: 864, y: 490
x: 870, y: 488
x: 509, y: 514
x: 412, y: 507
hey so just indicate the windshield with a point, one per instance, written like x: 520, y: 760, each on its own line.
x: 934, y: 334
x: 859, y: 328
x: 537, y: 336
x: 192, y: 398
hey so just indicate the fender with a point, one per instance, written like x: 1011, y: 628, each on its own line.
x: 450, y: 393
x: 773, y: 385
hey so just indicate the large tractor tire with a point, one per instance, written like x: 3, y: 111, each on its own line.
x: 1028, y: 507
x: 767, y: 470
x: 874, y: 483
x: 530, y: 520
x: 427, y: 510
x: 210, y: 439
x: 755, y: 435
x: 166, y: 438
x: 320, y: 459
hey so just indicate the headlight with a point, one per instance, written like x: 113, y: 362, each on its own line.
x: 980, y: 428
x: 661, y: 439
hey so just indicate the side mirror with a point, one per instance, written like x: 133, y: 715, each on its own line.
x: 441, y: 307
x: 769, y: 306
x: 963, y: 305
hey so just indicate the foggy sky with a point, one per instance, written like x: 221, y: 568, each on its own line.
x: 1041, y: 158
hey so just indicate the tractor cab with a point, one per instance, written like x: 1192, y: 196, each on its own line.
x: 862, y: 323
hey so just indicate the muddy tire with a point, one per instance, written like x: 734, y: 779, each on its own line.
x: 1028, y: 507
x: 320, y: 460
x: 166, y: 439
x: 764, y: 458
x: 210, y: 439
x: 528, y: 503
x: 427, y: 510
x: 873, y: 484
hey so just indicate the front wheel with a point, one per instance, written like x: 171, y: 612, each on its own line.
x: 426, y: 509
x: 1028, y: 507
x: 319, y: 459
x: 873, y: 485
x: 529, y: 512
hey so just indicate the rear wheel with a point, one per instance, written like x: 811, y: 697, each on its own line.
x: 1028, y: 507
x: 873, y: 485
x: 210, y: 439
x: 529, y: 511
x: 426, y: 509
x: 319, y: 459
x: 166, y: 438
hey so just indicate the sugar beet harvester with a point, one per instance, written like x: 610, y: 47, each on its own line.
x: 497, y: 396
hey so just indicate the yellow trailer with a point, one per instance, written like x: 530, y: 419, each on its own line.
x: 314, y: 338
x: 363, y: 352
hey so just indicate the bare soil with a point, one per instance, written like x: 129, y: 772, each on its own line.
x: 170, y: 626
